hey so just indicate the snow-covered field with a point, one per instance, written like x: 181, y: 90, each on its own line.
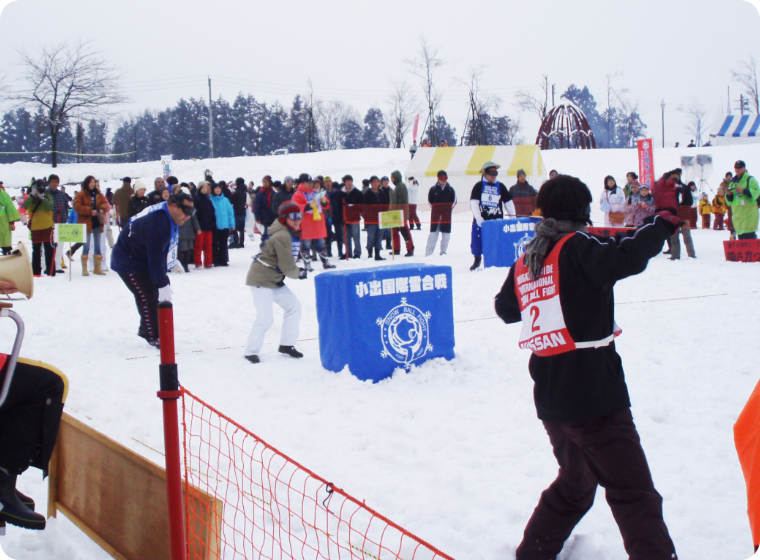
x: 452, y: 451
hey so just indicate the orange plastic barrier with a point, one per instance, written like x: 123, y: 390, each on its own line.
x: 274, y: 507
x: 747, y: 440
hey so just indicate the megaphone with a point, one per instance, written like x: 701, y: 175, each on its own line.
x: 17, y: 268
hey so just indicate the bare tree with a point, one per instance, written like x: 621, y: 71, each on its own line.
x: 65, y: 80
x: 475, y: 126
x: 747, y: 76
x: 331, y: 116
x: 614, y: 97
x: 424, y: 67
x: 402, y: 107
x: 697, y: 115
x: 528, y: 102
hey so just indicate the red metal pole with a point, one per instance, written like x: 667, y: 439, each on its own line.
x: 170, y: 394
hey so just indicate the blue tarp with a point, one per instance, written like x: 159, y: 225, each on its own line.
x: 375, y: 320
x: 504, y: 240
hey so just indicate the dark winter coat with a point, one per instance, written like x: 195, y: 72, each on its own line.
x: 522, y: 190
x: 281, y: 196
x: 239, y: 200
x: 204, y: 209
x: 187, y: 233
x: 136, y: 205
x: 442, y: 200
x: 373, y: 202
x: 337, y: 199
x: 154, y: 196
x: 142, y: 247
x: 262, y: 206
x: 587, y: 384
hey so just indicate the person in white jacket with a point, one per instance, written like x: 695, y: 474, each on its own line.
x: 490, y: 200
x: 612, y: 201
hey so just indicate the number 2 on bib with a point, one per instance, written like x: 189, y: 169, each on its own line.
x: 534, y: 312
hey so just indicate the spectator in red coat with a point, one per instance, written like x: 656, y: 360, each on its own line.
x: 313, y: 229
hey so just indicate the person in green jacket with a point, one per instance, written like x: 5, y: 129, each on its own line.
x: 277, y: 260
x: 39, y: 206
x: 400, y: 201
x: 742, y: 196
x: 8, y: 217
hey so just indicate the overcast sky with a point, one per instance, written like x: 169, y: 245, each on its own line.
x: 679, y: 51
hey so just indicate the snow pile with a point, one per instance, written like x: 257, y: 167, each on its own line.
x: 452, y: 451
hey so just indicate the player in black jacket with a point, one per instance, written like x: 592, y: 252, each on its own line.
x: 562, y: 291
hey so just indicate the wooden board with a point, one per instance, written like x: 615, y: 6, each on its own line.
x: 118, y: 498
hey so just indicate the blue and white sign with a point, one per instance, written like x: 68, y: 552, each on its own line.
x: 504, y: 241
x: 378, y: 319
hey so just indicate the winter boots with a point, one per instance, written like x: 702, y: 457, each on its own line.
x: 476, y: 264
x: 253, y: 358
x: 15, y: 507
x: 63, y: 262
x: 290, y: 351
x: 99, y: 266
x: 85, y: 272
x: 325, y: 263
x: 307, y: 261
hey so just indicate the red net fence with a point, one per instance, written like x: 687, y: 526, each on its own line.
x: 245, y: 499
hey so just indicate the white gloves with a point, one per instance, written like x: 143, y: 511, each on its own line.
x: 165, y: 293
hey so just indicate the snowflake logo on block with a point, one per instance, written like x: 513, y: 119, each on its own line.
x: 405, y: 333
x: 521, y: 245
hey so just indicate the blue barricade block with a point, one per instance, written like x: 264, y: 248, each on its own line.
x: 375, y: 320
x: 504, y: 240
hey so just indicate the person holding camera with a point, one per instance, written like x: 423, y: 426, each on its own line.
x: 91, y: 208
x: 742, y: 197
x: 266, y: 277
x: 39, y: 207
x: 562, y: 290
x: 146, y: 250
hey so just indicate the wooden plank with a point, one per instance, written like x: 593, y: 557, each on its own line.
x: 118, y: 495
x: 118, y: 498
x: 91, y: 534
x: 53, y: 483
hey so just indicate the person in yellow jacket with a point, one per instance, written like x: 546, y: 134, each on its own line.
x: 39, y: 206
x: 719, y: 208
x: 705, y: 210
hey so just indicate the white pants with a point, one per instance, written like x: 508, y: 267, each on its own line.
x: 433, y: 239
x: 263, y: 300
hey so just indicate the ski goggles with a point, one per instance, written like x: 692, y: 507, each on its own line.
x: 295, y: 216
x: 491, y: 172
x: 188, y: 210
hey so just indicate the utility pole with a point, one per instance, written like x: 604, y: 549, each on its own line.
x: 662, y: 105
x: 210, y: 122
x: 553, y: 87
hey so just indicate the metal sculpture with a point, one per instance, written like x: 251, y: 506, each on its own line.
x: 565, y: 126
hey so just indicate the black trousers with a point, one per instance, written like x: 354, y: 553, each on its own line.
x: 146, y: 299
x: 37, y: 258
x: 337, y: 236
x: 219, y: 249
x: 605, y: 452
x: 30, y: 417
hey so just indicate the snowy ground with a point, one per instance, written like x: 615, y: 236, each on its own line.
x: 452, y: 451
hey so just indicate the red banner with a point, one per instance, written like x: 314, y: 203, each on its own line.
x: 646, y: 163
x: 746, y: 250
x: 414, y: 132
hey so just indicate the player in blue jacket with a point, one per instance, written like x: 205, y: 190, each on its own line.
x: 145, y: 251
